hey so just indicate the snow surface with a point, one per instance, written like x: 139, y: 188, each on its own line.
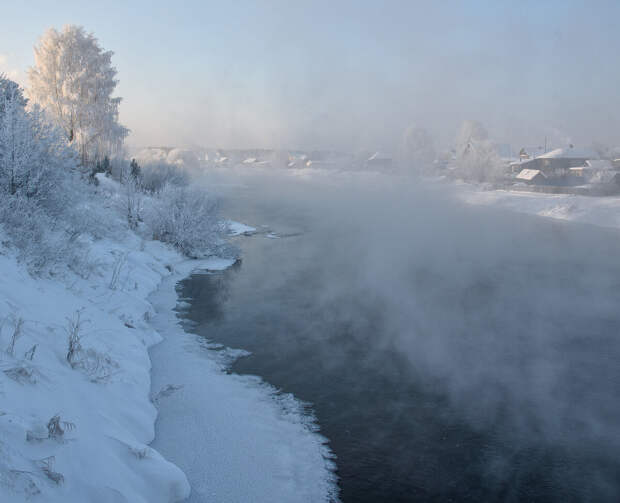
x: 601, y: 211
x: 237, y: 228
x: 103, y: 455
x: 235, y: 437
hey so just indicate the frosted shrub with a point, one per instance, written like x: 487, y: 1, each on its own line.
x: 156, y: 174
x: 187, y: 218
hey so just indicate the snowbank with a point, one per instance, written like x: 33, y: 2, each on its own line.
x: 81, y: 430
x: 234, y: 436
x: 601, y: 211
x: 97, y: 449
x: 237, y: 228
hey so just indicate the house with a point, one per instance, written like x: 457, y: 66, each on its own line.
x: 532, y: 176
x: 559, y: 161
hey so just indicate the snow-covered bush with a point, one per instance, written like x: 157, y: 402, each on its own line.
x: 187, y: 218
x: 156, y: 174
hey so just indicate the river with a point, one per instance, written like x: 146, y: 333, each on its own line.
x: 449, y: 353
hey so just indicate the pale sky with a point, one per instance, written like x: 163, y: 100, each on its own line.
x: 345, y: 74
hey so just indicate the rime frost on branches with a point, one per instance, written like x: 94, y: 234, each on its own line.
x: 39, y: 186
x: 73, y: 79
x: 33, y: 157
x: 476, y: 155
x: 186, y: 218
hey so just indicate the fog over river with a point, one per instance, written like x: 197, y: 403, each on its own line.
x: 449, y: 352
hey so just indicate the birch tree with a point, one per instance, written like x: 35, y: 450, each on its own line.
x: 73, y: 79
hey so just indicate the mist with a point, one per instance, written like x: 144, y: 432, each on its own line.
x: 510, y: 318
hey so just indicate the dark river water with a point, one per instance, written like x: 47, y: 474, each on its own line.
x: 448, y: 353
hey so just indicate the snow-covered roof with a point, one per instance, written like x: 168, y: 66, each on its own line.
x: 320, y: 163
x: 531, y: 152
x: 529, y: 174
x: 569, y: 153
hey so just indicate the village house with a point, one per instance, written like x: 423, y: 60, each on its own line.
x: 558, y: 162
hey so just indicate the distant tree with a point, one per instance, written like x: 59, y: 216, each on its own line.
x: 73, y: 79
x: 417, y: 149
x: 106, y: 167
x: 134, y: 169
x: 475, y: 153
x: 470, y: 132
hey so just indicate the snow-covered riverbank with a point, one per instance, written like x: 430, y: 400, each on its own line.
x: 98, y: 448
x: 234, y: 437
x: 79, y: 427
x: 601, y: 211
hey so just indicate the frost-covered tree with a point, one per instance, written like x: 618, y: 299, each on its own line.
x: 10, y: 92
x: 417, y: 150
x: 475, y: 153
x: 40, y: 192
x: 32, y: 153
x: 470, y: 131
x: 73, y: 79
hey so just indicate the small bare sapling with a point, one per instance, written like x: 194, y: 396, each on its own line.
x: 47, y: 467
x: 17, y: 333
x: 74, y: 326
